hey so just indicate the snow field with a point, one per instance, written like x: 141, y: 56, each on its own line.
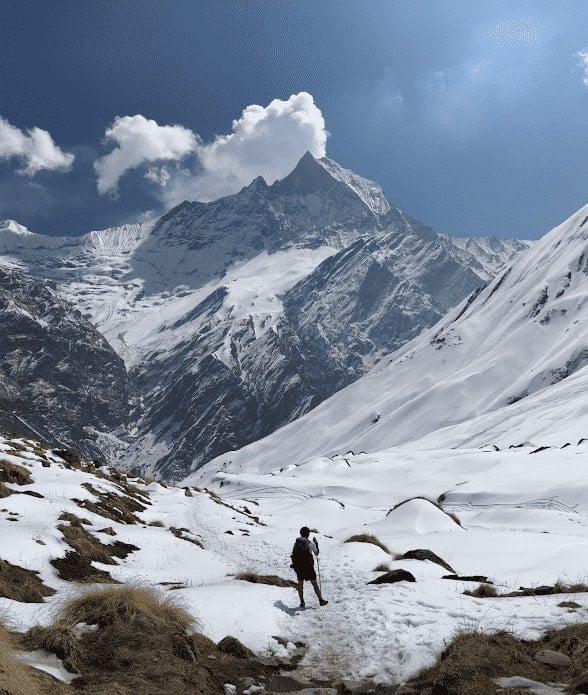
x: 524, y: 520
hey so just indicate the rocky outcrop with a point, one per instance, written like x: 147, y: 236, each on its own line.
x: 60, y: 381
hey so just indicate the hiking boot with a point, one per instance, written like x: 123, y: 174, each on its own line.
x: 302, y: 604
x: 322, y: 602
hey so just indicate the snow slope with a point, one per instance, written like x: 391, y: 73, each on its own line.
x: 513, y: 355
x: 524, y: 521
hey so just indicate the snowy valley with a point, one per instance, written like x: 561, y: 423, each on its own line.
x: 305, y: 353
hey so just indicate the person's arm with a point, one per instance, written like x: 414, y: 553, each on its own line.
x: 316, y: 548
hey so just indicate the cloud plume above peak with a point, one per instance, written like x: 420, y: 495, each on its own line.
x: 265, y: 141
x: 35, y: 148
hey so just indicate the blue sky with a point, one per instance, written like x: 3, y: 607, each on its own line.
x: 472, y: 115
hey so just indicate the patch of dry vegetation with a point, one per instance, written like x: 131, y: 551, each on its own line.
x: 473, y: 660
x: 482, y: 591
x: 140, y: 642
x: 367, y: 538
x: 77, y: 564
x: 269, y: 579
x: 14, y: 474
x: 120, y: 508
x: 15, y: 677
x: 20, y: 584
x: 382, y: 567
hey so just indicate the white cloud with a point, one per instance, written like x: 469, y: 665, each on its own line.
x: 265, y: 141
x: 140, y: 140
x: 35, y: 148
x: 583, y: 55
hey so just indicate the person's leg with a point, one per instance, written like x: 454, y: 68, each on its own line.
x: 317, y: 591
x: 300, y: 588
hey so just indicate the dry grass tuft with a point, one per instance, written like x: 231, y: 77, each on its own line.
x: 56, y: 639
x: 73, y: 519
x: 125, y: 604
x: 22, y: 585
x: 13, y: 473
x: 382, y: 567
x: 473, y: 660
x: 367, y: 538
x: 15, y: 677
x: 269, y: 579
x: 482, y: 591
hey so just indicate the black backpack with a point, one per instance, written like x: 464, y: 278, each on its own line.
x: 301, y: 557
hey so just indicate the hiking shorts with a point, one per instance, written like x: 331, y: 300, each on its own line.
x: 306, y: 573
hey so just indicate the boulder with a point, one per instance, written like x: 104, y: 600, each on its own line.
x: 394, y: 576
x: 423, y: 554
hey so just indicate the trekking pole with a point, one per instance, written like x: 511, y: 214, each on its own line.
x: 318, y: 566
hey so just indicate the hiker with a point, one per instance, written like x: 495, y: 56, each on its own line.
x: 303, y: 564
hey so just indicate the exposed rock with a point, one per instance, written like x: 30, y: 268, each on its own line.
x: 552, y: 658
x: 423, y: 554
x: 393, y: 576
x: 60, y: 380
x: 468, y: 578
x: 231, y: 645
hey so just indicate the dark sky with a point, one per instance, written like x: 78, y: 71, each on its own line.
x: 471, y: 114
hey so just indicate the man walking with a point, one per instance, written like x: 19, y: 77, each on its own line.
x: 303, y: 564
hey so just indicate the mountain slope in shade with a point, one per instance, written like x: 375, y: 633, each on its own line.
x: 59, y: 378
x: 515, y: 348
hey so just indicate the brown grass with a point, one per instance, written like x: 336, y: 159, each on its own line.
x: 367, y: 538
x: 23, y: 585
x: 473, y: 660
x: 382, y: 567
x: 13, y: 473
x: 15, y: 677
x: 120, y: 508
x: 270, y: 579
x: 482, y: 591
x: 142, y: 644
x: 125, y: 604
x: 73, y: 519
x: 75, y: 568
x: 77, y: 564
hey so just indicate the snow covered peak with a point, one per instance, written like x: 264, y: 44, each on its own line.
x: 368, y: 191
x: 14, y: 227
x: 311, y: 176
